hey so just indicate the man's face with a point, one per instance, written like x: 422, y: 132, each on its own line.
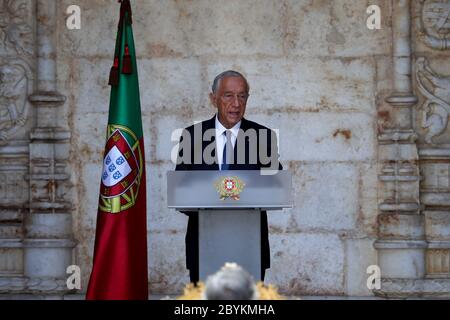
x: 230, y: 100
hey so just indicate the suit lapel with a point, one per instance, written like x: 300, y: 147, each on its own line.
x: 244, y: 126
x: 210, y: 124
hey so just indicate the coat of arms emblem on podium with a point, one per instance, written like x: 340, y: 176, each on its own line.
x: 229, y: 187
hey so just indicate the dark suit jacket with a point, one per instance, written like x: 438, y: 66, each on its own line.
x: 188, y: 133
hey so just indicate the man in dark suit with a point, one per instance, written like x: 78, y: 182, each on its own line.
x: 227, y: 141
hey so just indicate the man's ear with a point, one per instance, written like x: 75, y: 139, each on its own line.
x: 212, y: 98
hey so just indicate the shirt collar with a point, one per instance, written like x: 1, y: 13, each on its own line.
x: 220, y: 128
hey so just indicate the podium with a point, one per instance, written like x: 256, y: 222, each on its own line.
x: 229, y: 205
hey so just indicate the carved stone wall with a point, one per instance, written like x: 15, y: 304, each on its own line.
x: 413, y: 239
x: 35, y: 208
x: 17, y: 66
x: 432, y: 83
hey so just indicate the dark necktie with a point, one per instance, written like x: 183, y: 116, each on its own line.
x: 227, y: 151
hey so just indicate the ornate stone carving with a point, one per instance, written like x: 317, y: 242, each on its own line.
x: 404, y: 288
x: 21, y: 285
x: 401, y: 243
x: 15, y: 87
x: 15, y: 33
x: 11, y: 262
x: 435, y: 23
x: 435, y: 17
x: 436, y: 107
x: 436, y: 176
x: 13, y: 187
x: 438, y: 262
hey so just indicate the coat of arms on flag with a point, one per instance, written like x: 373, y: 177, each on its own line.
x: 122, y: 170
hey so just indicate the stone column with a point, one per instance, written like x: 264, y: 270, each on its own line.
x: 48, y: 239
x: 401, y: 240
x: 433, y: 87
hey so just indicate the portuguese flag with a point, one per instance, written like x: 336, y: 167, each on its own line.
x: 120, y: 255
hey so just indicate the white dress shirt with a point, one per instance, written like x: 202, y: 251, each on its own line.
x: 221, y: 138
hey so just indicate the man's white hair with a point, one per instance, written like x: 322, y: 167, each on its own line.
x: 228, y: 73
